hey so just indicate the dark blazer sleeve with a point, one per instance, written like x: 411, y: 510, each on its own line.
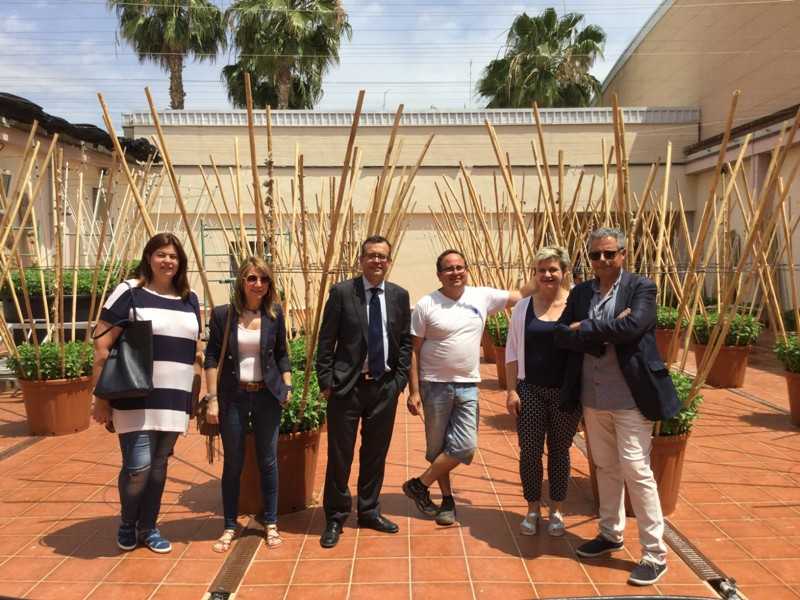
x: 328, y: 332
x: 404, y: 340
x: 627, y: 330
x: 570, y: 340
x: 214, y: 344
x: 281, y: 351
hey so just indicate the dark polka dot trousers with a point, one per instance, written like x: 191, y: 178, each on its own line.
x: 541, y: 419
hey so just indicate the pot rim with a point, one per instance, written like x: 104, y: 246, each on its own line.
x: 81, y: 379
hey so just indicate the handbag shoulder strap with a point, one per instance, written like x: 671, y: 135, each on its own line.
x: 121, y: 322
x: 224, y: 347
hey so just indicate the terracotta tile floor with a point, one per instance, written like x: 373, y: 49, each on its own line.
x: 740, y: 505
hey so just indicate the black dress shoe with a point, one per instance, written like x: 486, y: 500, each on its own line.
x: 379, y: 523
x: 330, y: 537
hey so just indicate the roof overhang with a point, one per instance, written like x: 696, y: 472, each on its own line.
x: 462, y: 118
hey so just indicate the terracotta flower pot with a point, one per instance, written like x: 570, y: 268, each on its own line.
x: 729, y: 367
x: 793, y: 384
x: 666, y: 462
x: 487, y: 346
x: 297, y: 465
x: 663, y: 340
x: 57, y: 406
x: 500, y: 362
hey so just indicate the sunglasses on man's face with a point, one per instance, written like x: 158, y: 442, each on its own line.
x: 254, y: 278
x: 606, y: 254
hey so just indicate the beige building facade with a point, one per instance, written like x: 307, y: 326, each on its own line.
x: 699, y: 54
x: 577, y: 135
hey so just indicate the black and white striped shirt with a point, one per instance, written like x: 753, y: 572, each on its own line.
x: 176, y: 327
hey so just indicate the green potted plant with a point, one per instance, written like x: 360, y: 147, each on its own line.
x: 666, y: 319
x: 497, y: 326
x: 788, y: 352
x: 298, y: 443
x: 56, y: 383
x: 729, y: 368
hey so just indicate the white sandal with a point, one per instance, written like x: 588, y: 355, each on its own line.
x: 274, y: 538
x: 529, y: 524
x: 223, y: 544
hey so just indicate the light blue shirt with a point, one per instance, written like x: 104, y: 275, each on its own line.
x: 382, y: 299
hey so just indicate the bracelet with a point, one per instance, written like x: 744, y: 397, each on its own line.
x: 210, y: 397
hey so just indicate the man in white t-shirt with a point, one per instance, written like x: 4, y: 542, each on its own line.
x: 446, y: 329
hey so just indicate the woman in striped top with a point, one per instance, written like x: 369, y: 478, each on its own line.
x: 149, y: 427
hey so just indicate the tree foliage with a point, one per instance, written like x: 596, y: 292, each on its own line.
x: 286, y: 46
x: 167, y: 31
x: 547, y: 61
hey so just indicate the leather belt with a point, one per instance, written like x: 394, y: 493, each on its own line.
x: 252, y: 386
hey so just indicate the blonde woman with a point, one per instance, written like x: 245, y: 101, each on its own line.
x: 537, y: 366
x: 254, y: 386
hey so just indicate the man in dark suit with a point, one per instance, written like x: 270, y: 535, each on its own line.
x: 615, y: 372
x: 363, y: 359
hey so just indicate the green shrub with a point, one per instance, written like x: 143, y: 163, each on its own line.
x: 744, y: 329
x: 297, y: 353
x: 497, y: 325
x: 789, y: 353
x: 666, y: 317
x: 316, y: 407
x: 34, y: 281
x: 687, y: 415
x: 78, y: 360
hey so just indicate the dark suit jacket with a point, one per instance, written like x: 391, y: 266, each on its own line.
x: 342, y: 347
x: 633, y: 338
x: 274, y: 356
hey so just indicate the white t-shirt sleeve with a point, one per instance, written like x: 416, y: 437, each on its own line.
x: 495, y: 299
x: 418, y: 319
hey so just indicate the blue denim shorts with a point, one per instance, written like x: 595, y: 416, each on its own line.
x: 451, y: 419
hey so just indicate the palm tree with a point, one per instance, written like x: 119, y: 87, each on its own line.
x: 547, y: 61
x: 286, y: 46
x: 305, y: 91
x: 166, y: 31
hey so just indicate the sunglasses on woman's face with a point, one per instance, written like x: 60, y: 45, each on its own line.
x: 255, y: 278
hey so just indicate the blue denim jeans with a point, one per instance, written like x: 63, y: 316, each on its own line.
x: 259, y: 412
x: 451, y: 419
x: 143, y: 475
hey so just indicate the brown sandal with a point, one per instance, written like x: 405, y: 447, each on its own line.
x: 274, y: 538
x: 223, y: 544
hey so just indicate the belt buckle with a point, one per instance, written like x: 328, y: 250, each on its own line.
x: 251, y: 386
x: 367, y: 377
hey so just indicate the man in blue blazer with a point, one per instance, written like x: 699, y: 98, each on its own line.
x: 363, y: 358
x: 615, y: 372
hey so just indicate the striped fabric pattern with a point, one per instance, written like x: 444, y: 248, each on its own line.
x: 176, y: 327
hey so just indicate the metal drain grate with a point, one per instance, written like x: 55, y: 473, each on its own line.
x: 235, y: 566
x: 702, y: 566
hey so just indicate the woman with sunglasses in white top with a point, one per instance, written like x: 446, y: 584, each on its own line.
x: 254, y: 386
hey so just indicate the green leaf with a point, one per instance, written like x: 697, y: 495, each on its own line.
x: 497, y: 326
x: 78, y: 360
x: 687, y: 415
x: 788, y: 353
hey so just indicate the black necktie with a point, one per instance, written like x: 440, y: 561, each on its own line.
x: 375, y: 358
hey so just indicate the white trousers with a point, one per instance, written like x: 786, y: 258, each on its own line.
x: 620, y: 442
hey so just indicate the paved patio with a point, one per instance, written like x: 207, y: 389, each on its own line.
x: 740, y: 505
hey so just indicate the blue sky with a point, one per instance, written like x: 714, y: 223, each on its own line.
x: 425, y: 54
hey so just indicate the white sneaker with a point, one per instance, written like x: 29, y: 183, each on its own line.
x: 555, y: 525
x: 529, y: 524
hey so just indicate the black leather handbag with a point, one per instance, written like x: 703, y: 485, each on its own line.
x: 128, y: 371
